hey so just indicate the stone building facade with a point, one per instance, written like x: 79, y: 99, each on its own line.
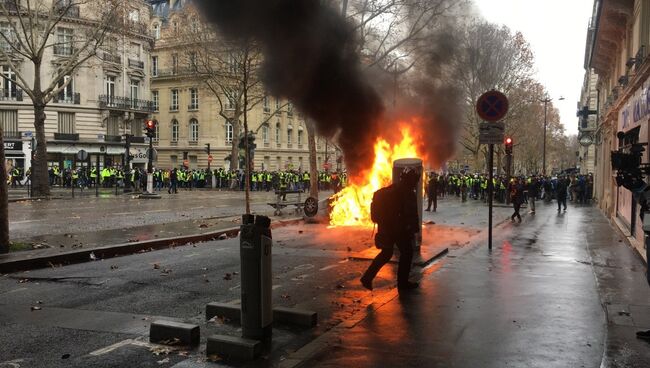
x: 188, y: 112
x: 617, y: 52
x: 107, y: 99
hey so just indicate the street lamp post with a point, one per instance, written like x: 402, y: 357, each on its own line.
x: 546, y: 102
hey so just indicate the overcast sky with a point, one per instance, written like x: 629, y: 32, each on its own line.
x: 557, y: 31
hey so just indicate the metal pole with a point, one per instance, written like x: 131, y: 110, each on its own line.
x: 546, y: 101
x: 97, y: 178
x: 490, y: 191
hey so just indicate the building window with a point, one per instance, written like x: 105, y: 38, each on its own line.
x: 194, y: 25
x: 8, y: 83
x: 174, y: 101
x: 156, y: 133
x: 230, y: 105
x: 66, y: 122
x: 193, y: 61
x: 228, y: 132
x: 277, y: 104
x: 154, y: 66
x: 137, y: 127
x: 267, y: 107
x: 290, y: 110
x: 66, y: 95
x: 135, y: 50
x: 9, y: 122
x: 194, y: 99
x: 64, y: 42
x: 232, y: 63
x: 194, y: 130
x: 7, y: 30
x: 174, y: 130
x: 299, y: 136
x: 110, y: 86
x: 155, y: 96
x: 134, y: 15
x: 174, y: 64
x: 278, y: 137
x: 113, y: 125
x: 265, y: 134
x: 156, y: 31
x: 134, y: 87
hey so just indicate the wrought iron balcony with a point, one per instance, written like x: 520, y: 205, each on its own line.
x: 178, y: 71
x: 12, y: 135
x: 63, y: 50
x: 13, y: 94
x: 111, y: 57
x: 125, y: 104
x: 136, y: 64
x: 74, y: 99
x: 69, y: 11
x: 66, y: 136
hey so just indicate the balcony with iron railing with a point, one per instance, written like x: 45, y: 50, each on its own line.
x: 111, y: 57
x: 72, y: 137
x: 73, y: 99
x: 13, y: 94
x: 125, y: 104
x: 12, y: 135
x: 175, y: 72
x: 133, y: 63
x: 63, y: 50
x: 68, y: 11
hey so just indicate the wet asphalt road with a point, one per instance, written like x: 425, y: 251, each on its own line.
x: 545, y: 297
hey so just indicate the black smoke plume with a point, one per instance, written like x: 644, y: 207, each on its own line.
x: 310, y: 58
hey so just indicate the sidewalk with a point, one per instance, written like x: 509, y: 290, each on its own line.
x: 558, y: 290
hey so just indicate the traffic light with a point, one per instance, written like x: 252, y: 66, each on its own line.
x: 150, y: 128
x: 207, y: 148
x: 508, y: 144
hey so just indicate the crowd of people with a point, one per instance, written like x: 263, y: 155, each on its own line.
x: 577, y: 188
x: 172, y: 179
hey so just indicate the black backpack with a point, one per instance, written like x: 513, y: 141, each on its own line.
x: 382, y: 207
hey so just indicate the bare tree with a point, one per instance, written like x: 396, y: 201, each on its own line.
x: 34, y: 31
x: 4, y: 207
x: 490, y: 57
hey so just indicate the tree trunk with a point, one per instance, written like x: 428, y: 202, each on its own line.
x: 247, y: 159
x: 4, y: 207
x: 313, y: 166
x: 40, y: 177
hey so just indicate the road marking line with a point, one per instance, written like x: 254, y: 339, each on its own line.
x: 328, y: 267
x: 235, y: 287
x: 110, y: 348
x: 25, y: 221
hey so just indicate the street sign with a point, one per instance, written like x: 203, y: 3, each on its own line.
x: 82, y: 155
x: 210, y: 158
x: 491, y: 133
x: 492, y: 106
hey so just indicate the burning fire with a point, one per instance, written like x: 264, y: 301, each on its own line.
x: 351, y: 206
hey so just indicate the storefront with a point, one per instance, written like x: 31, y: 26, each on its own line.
x: 65, y: 155
x: 633, y: 122
x: 14, y: 155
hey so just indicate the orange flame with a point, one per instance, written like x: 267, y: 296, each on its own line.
x: 351, y: 206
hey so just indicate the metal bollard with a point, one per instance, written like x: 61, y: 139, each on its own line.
x: 255, y: 243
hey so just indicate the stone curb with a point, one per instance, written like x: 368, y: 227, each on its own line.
x: 84, y: 255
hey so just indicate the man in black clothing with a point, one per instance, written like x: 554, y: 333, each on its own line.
x: 561, y: 193
x: 517, y: 198
x: 173, y: 182
x: 432, y: 192
x: 400, y: 231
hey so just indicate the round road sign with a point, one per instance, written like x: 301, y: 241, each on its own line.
x: 492, y: 106
x: 82, y: 155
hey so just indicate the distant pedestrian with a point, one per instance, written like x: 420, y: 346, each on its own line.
x: 561, y: 189
x: 432, y: 192
x: 394, y: 209
x: 517, y: 198
x: 173, y: 182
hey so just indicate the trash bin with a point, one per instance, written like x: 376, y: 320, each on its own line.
x: 255, y: 244
x: 414, y: 164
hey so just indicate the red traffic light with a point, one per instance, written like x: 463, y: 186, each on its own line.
x: 508, y: 140
x: 151, y: 124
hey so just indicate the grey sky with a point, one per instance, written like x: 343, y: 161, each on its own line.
x: 557, y: 31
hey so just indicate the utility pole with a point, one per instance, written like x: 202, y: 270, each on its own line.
x: 545, y: 101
